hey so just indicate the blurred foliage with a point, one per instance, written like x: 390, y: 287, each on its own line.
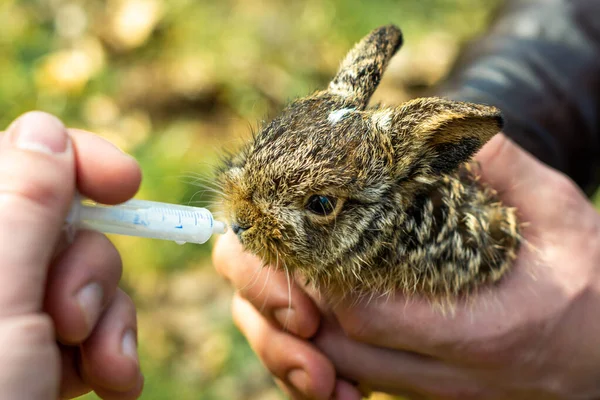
x: 175, y: 82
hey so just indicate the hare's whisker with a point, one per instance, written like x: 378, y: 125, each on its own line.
x: 289, y: 285
x: 200, y: 178
x: 253, y: 279
x: 262, y: 307
x: 208, y: 189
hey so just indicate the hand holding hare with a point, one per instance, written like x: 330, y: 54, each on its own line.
x: 372, y: 200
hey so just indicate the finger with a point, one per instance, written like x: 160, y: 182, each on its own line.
x: 523, y: 181
x: 289, y: 390
x: 104, y: 173
x: 343, y: 391
x: 272, y: 292
x: 71, y: 385
x: 289, y: 358
x: 80, y: 284
x: 130, y: 394
x: 37, y: 181
x: 109, y: 355
x: 392, y: 371
x: 547, y: 200
x: 475, y: 331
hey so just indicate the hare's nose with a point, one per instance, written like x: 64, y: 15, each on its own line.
x: 238, y: 230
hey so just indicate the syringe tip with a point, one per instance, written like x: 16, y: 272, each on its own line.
x: 219, y: 227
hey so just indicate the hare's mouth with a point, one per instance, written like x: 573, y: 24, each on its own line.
x: 250, y: 238
x: 244, y: 234
x: 270, y: 250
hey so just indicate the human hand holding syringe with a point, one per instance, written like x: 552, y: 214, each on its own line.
x: 67, y: 327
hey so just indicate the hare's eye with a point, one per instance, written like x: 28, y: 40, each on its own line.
x: 321, y: 205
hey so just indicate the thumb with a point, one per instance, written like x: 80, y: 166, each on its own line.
x: 37, y: 181
x: 521, y: 180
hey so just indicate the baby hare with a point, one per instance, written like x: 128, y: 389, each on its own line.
x: 363, y: 200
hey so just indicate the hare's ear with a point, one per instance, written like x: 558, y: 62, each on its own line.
x: 442, y: 134
x: 361, y: 70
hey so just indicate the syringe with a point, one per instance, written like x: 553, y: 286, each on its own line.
x: 150, y: 219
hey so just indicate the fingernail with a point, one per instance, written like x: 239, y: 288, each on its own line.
x: 285, y: 317
x: 38, y: 131
x: 90, y: 300
x: 129, y: 345
x: 299, y: 379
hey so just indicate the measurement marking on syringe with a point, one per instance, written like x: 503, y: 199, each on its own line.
x: 184, y: 217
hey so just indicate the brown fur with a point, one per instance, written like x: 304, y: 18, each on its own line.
x: 410, y: 214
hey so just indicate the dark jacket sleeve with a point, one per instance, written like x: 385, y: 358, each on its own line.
x: 540, y: 64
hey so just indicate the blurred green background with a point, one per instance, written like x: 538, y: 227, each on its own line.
x: 175, y: 82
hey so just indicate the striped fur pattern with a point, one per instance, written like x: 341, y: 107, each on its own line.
x: 407, y: 213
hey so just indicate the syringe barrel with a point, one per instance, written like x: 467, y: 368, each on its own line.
x: 147, y: 219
